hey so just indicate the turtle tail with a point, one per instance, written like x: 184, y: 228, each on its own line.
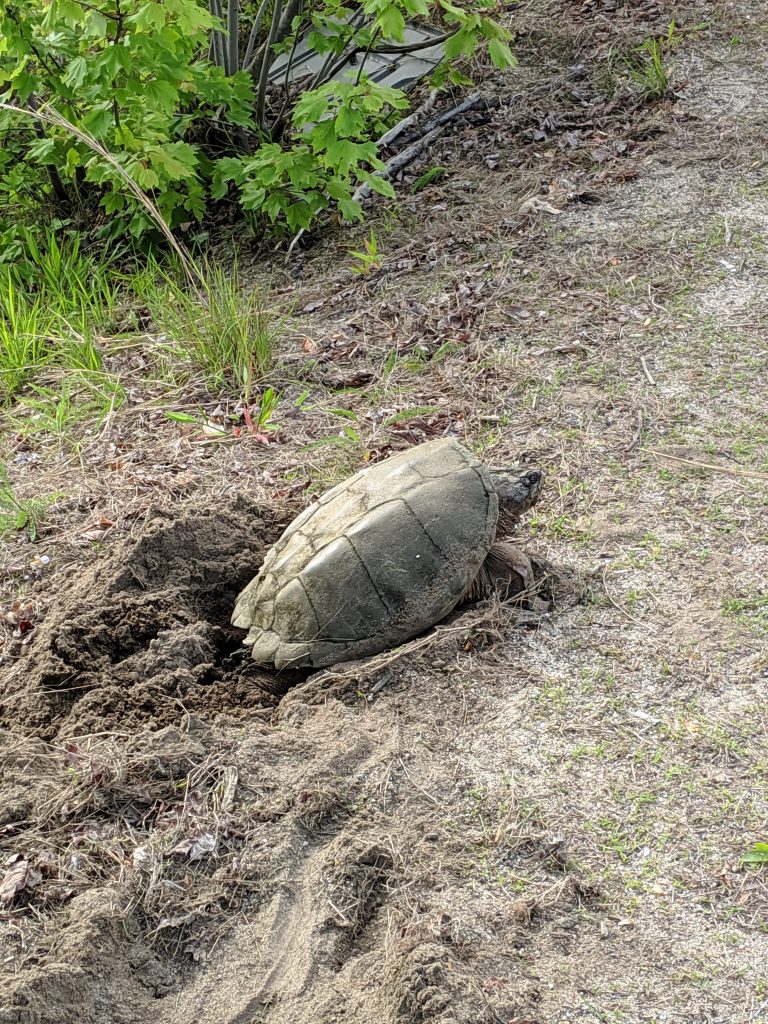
x: 505, y: 573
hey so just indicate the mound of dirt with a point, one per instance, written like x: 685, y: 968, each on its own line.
x: 156, y: 804
x: 143, y: 637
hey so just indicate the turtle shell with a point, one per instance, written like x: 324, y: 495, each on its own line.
x: 376, y: 560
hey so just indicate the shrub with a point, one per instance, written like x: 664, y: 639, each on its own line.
x: 180, y: 97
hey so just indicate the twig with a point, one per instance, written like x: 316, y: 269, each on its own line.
x: 397, y: 163
x: 295, y: 241
x: 410, y: 778
x: 638, y: 434
x: 618, y: 607
x: 647, y: 372
x: 731, y: 470
x: 337, y: 911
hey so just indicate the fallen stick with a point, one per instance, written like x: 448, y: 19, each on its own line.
x: 647, y: 372
x: 397, y: 163
x: 389, y: 136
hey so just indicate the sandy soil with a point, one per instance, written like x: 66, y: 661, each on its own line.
x: 524, y: 820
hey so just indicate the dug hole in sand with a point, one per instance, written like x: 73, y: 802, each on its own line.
x: 189, y: 846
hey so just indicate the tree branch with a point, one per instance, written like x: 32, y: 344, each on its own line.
x: 254, y: 34
x: 397, y: 163
x: 233, y: 33
x: 413, y: 47
x: 265, y: 63
x: 214, y: 8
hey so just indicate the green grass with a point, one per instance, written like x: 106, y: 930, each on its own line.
x: 751, y: 613
x: 21, y: 513
x: 227, y: 332
x: 24, y: 345
x: 52, y: 301
x: 646, y: 65
x: 65, y: 278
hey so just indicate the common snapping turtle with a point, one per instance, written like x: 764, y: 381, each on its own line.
x: 384, y: 556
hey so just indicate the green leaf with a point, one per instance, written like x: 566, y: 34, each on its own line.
x: 150, y: 16
x: 177, y: 160
x: 417, y: 8
x: 96, y: 25
x: 757, y: 855
x: 378, y: 184
x: 392, y: 23
x: 145, y: 176
x: 349, y: 123
x: 183, y: 417
x: 350, y: 210
x: 112, y: 60
x: 311, y: 107
x: 163, y: 96
x: 501, y: 55
x: 463, y: 43
x: 75, y: 74
x: 98, y: 121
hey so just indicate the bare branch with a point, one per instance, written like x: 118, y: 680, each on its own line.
x: 233, y: 33
x: 413, y: 47
x: 254, y: 34
x: 266, y: 62
x: 397, y: 163
x: 389, y: 136
x: 214, y: 7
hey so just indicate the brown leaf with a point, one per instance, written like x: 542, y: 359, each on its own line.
x: 19, y: 875
x: 196, y: 848
x: 352, y: 380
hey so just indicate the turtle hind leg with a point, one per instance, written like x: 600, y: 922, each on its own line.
x: 506, y: 572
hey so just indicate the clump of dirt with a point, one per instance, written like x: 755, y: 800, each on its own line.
x: 144, y: 636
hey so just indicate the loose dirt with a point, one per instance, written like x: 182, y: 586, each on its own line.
x: 521, y: 822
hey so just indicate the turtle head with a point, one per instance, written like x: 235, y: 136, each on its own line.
x: 518, y: 490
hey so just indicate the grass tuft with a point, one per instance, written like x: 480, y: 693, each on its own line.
x: 228, y: 335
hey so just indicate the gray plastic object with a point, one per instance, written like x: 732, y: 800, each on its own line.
x: 398, y: 70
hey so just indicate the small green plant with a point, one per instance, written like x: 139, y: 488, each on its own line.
x: 21, y: 513
x: 750, y: 612
x: 267, y: 406
x: 82, y: 395
x: 647, y: 69
x: 224, y: 330
x: 369, y: 260
x: 758, y: 854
